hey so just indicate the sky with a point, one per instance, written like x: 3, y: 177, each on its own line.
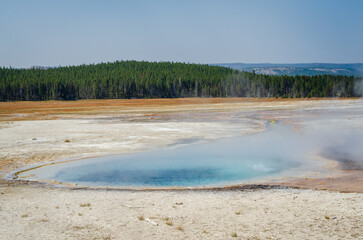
x: 74, y: 32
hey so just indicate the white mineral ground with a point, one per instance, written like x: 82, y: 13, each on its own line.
x: 31, y: 135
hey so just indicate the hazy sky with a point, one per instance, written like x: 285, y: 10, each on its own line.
x: 72, y: 32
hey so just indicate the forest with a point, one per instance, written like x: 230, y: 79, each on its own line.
x: 139, y: 79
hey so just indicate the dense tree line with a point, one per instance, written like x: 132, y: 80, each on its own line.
x: 132, y: 79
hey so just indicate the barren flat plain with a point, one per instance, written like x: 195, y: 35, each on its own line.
x: 322, y: 204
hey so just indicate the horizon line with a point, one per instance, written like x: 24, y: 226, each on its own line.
x: 184, y: 62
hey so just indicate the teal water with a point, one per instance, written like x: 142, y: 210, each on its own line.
x: 222, y: 162
x: 173, y: 168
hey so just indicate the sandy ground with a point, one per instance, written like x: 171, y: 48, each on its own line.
x: 35, y: 133
x: 43, y: 213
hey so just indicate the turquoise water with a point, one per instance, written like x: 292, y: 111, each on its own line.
x: 228, y: 161
x: 174, y: 168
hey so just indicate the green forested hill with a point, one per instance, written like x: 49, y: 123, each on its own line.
x: 132, y: 79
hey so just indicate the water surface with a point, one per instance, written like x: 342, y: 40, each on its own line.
x: 222, y: 162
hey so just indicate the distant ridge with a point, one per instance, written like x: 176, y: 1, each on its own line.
x: 41, y: 67
x: 308, y: 69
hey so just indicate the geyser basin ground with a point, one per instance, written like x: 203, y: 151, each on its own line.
x: 94, y: 128
x: 223, y: 162
x: 84, y: 129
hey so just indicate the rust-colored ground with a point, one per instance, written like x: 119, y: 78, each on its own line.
x: 38, y: 110
x: 97, y: 104
x: 351, y: 182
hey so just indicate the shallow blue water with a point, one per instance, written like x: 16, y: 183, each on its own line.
x: 171, y: 169
x: 228, y: 161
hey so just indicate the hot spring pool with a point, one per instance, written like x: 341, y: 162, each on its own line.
x: 223, y: 162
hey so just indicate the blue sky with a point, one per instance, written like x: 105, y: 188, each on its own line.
x: 73, y: 32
